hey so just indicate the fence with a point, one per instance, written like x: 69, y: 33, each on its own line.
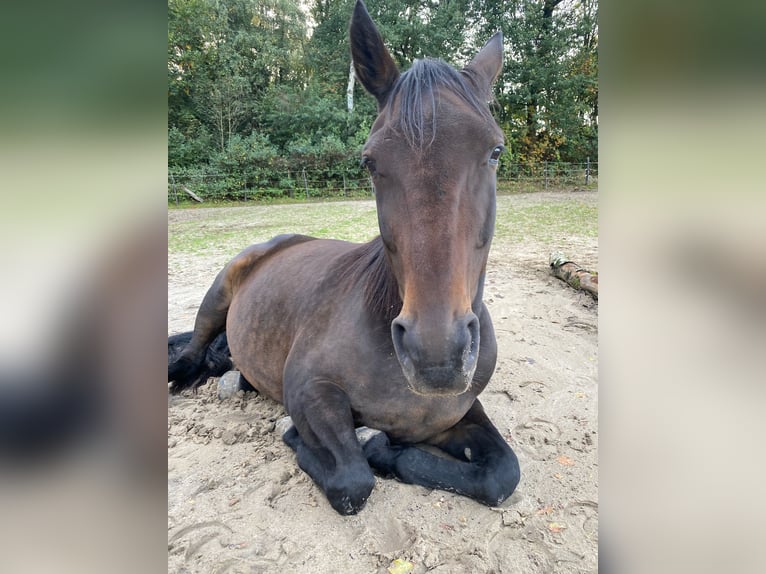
x: 548, y: 175
x: 305, y: 183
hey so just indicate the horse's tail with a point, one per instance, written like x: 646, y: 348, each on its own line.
x: 196, y: 356
x: 186, y: 372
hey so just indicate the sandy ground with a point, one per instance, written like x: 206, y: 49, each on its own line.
x: 237, y: 501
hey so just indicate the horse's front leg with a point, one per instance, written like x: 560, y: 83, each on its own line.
x: 483, y: 466
x: 326, y: 445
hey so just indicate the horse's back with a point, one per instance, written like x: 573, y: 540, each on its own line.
x: 249, y: 259
x: 278, y: 264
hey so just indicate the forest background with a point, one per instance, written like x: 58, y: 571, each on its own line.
x: 260, y: 91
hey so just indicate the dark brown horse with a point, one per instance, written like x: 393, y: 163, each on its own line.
x: 392, y: 334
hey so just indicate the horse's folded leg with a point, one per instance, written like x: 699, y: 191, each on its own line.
x: 327, y: 447
x: 381, y: 455
x: 346, y: 486
x: 494, y: 466
x: 483, y: 466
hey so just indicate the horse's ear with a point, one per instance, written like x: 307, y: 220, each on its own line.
x: 486, y: 65
x: 374, y: 67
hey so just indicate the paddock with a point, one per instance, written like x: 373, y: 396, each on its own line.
x: 237, y: 501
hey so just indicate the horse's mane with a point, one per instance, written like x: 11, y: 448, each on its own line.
x: 366, y: 267
x: 415, y: 95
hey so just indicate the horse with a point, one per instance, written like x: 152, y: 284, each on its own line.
x: 390, y: 335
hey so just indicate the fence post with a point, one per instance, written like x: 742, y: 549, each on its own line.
x: 290, y: 184
x: 305, y: 183
x: 345, y: 193
x: 175, y: 188
x: 545, y: 171
x: 587, y: 171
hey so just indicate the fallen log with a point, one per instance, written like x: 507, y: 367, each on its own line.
x: 574, y: 275
x: 193, y: 195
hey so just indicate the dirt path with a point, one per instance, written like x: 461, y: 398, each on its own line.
x: 237, y: 502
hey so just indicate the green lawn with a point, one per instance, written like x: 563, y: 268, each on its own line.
x: 520, y: 217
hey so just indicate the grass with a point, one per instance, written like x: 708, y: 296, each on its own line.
x: 545, y: 221
x: 533, y: 184
x: 227, y: 230
x: 188, y: 203
x: 230, y: 229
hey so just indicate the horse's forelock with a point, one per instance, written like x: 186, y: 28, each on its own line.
x: 414, y: 98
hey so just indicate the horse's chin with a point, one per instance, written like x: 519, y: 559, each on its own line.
x: 439, y: 382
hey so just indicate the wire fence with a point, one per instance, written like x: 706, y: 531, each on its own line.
x: 518, y: 177
x: 308, y: 184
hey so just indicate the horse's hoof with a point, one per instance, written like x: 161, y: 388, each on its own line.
x: 229, y: 384
x: 283, y: 425
x: 365, y: 434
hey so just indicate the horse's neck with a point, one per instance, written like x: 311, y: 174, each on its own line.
x: 381, y: 289
x: 366, y: 270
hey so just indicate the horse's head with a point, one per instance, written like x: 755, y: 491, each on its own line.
x: 432, y: 153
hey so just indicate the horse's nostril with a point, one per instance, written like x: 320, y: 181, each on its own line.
x: 398, y: 334
x: 401, y: 335
x: 469, y: 338
x: 473, y: 330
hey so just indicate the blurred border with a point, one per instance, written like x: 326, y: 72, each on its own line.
x: 83, y: 296
x: 82, y: 177
x: 683, y: 285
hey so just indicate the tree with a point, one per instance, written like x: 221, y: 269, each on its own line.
x: 549, y: 78
x: 255, y: 73
x: 224, y: 54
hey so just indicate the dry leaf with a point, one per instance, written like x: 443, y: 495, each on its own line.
x: 556, y: 527
x: 565, y: 460
x: 400, y: 566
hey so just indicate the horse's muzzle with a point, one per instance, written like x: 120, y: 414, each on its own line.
x: 437, y: 360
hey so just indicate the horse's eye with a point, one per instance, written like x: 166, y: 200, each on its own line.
x: 496, y: 153
x: 369, y: 163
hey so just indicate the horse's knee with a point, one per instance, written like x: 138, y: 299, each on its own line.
x: 349, y: 490
x: 381, y: 455
x: 289, y: 433
x: 502, y: 480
